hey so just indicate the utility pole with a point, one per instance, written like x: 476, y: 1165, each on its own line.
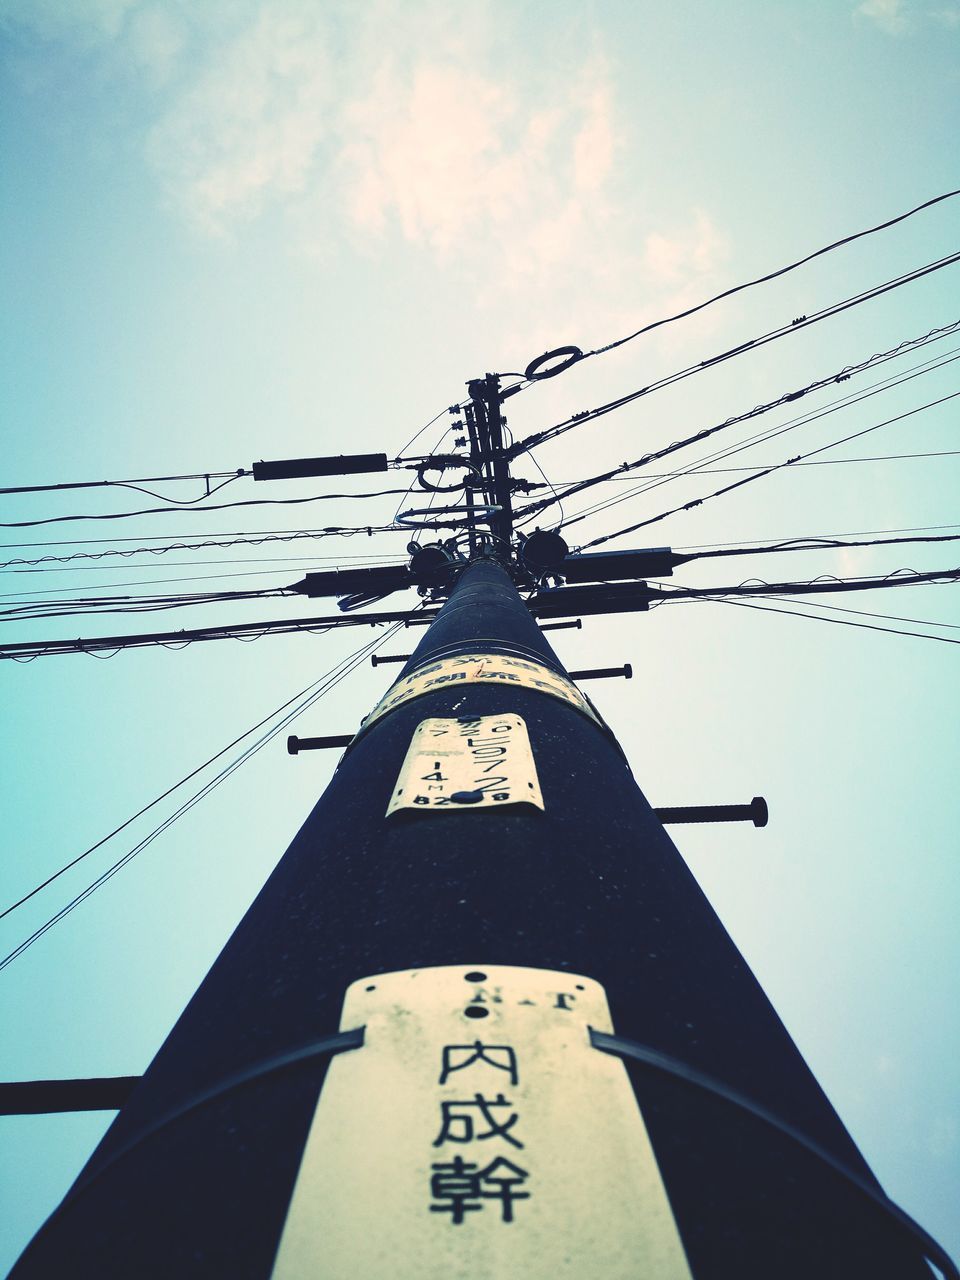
x: 480, y: 1021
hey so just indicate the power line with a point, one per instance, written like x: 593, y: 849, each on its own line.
x: 137, y: 485
x: 28, y: 651
x: 888, y: 617
x: 823, y: 462
x: 934, y: 335
x: 801, y: 322
x: 758, y: 475
x: 773, y: 275
x: 133, y: 604
x: 148, y: 582
x: 219, y: 506
x: 817, y: 544
x: 307, y: 698
x: 855, y: 533
x: 825, y: 584
x: 336, y: 530
x: 864, y: 626
x: 23, y: 566
x: 762, y: 437
x: 288, y: 535
x: 140, y: 812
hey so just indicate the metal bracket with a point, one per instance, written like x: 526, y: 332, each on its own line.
x: 756, y: 812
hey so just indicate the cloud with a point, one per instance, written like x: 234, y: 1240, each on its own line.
x: 889, y: 15
x: 429, y: 129
x: 155, y: 38
x: 249, y: 127
x: 450, y: 157
x: 89, y: 22
x: 684, y: 253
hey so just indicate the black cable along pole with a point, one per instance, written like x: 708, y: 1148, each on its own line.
x: 480, y: 1021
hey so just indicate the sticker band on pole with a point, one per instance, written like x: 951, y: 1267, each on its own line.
x: 481, y: 668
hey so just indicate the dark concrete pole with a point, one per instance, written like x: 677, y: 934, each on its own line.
x: 195, y: 1177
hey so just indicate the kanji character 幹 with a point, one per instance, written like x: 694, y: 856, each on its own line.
x: 460, y: 1181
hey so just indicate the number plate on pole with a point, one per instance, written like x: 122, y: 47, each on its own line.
x: 478, y: 762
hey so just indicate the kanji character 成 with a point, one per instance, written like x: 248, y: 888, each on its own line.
x: 458, y: 1123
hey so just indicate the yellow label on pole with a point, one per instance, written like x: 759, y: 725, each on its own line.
x: 478, y: 762
x: 481, y: 668
x: 477, y: 1133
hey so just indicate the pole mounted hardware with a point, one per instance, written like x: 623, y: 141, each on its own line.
x: 444, y: 462
x: 602, y: 566
x: 298, y: 468
x: 604, y: 597
x: 756, y: 812
x: 44, y: 1097
x: 344, y: 582
x: 433, y: 566
x: 543, y: 552
x: 604, y: 673
x: 565, y: 357
x: 295, y: 745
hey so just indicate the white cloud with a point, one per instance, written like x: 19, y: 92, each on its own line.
x: 424, y: 127
x: 889, y: 15
x: 429, y: 151
x: 483, y: 169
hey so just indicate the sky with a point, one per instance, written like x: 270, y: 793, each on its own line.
x: 270, y: 229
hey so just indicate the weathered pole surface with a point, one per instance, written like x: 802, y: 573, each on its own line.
x: 483, y: 914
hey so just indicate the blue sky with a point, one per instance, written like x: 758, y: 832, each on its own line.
x: 253, y: 230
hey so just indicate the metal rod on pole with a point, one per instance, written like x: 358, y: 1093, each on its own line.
x: 295, y: 745
x: 756, y: 812
x: 604, y: 673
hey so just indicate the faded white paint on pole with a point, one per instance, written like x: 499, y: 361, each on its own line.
x: 477, y: 1134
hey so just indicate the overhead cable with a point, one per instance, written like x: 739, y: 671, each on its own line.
x: 285, y: 535
x: 766, y: 471
x: 822, y: 462
x: 826, y: 584
x: 773, y: 275
x: 218, y: 506
x: 848, y: 533
x: 157, y: 799
x: 305, y: 699
x: 845, y: 622
x: 816, y: 544
x: 753, y: 344
x: 765, y: 436
x: 226, y: 476
x: 29, y: 651
x: 788, y: 397
x: 131, y: 604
